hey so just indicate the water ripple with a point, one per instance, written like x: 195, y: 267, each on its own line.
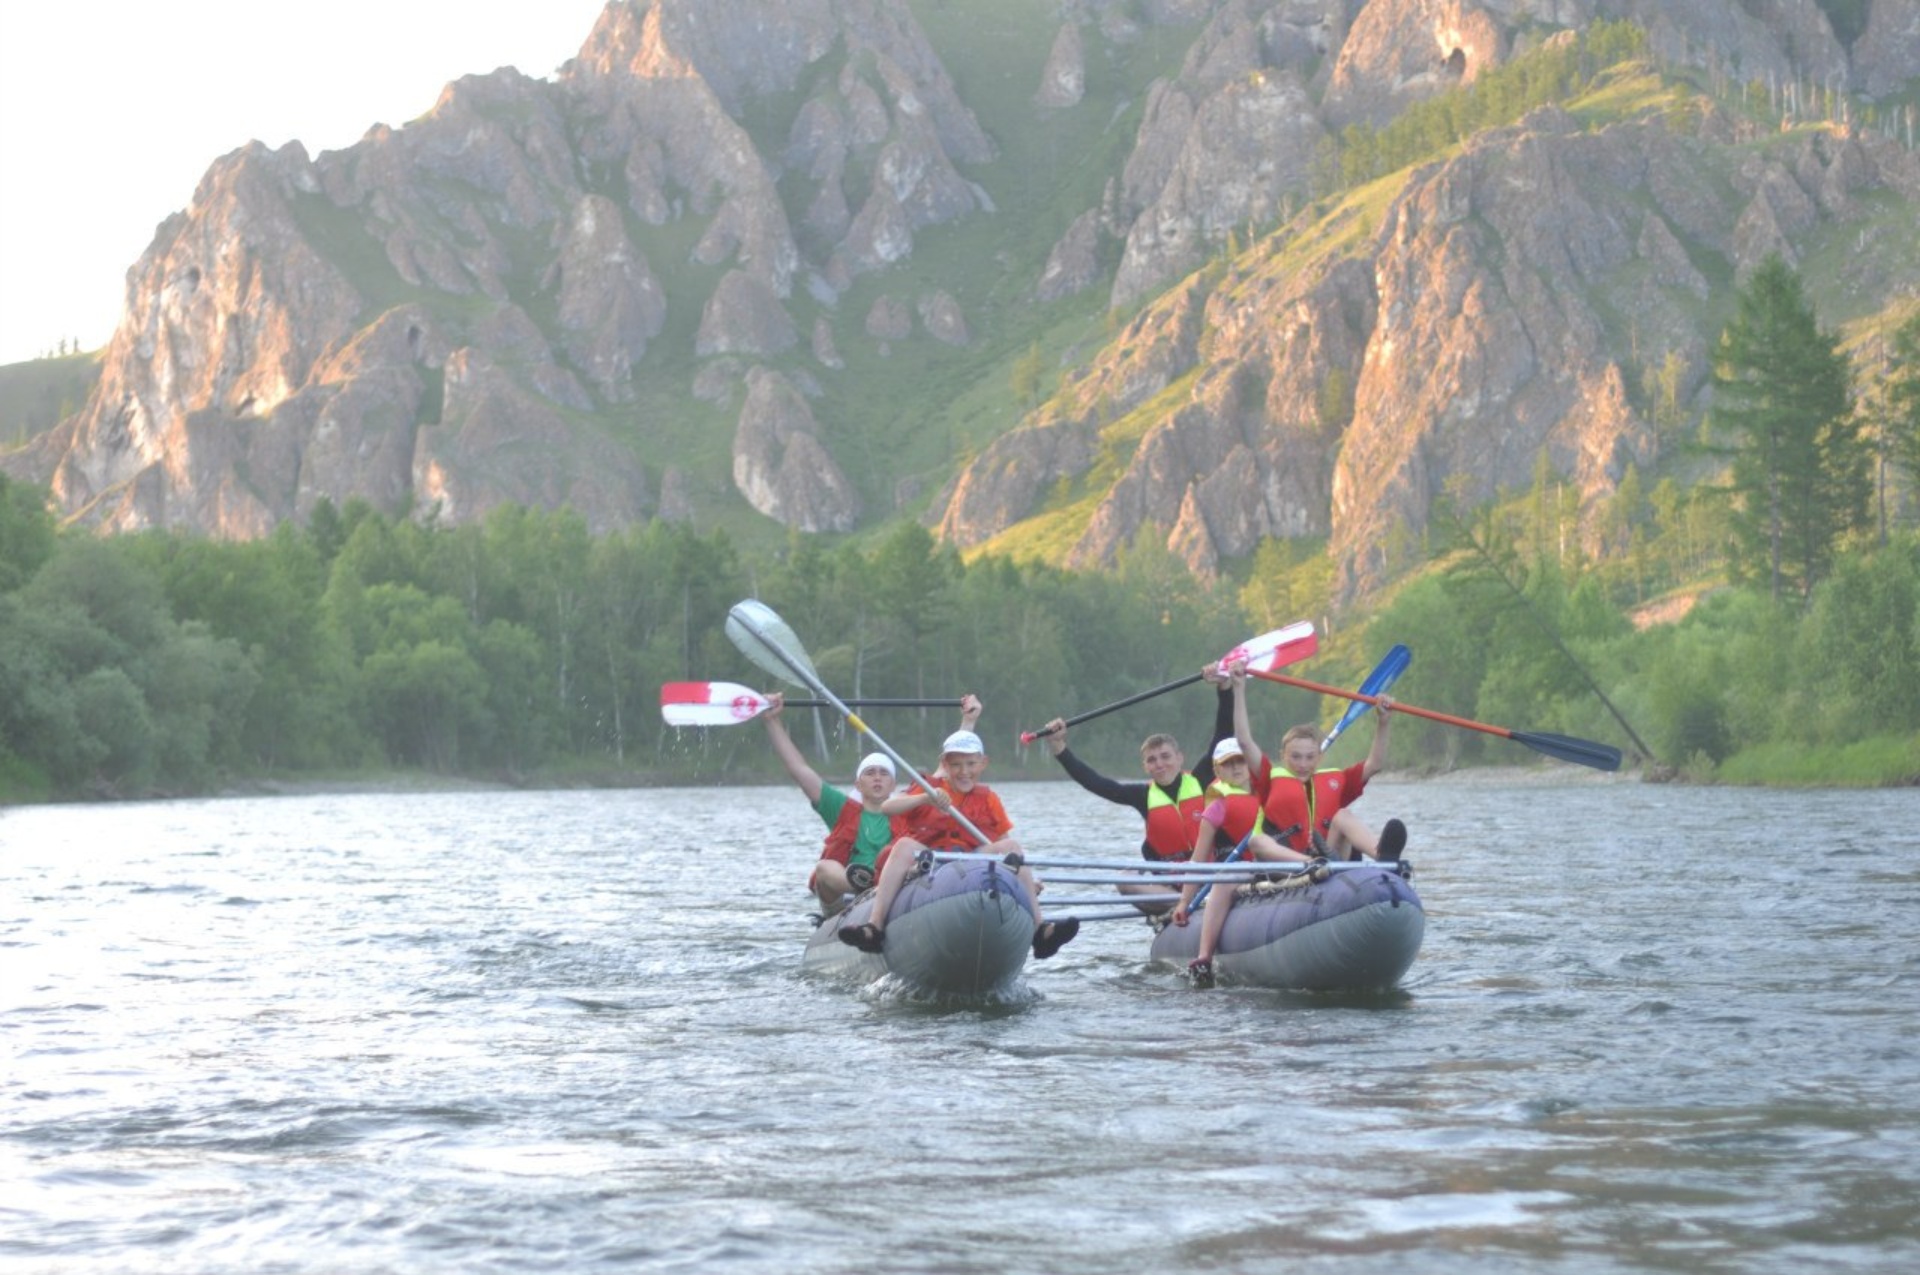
x: 560, y: 1031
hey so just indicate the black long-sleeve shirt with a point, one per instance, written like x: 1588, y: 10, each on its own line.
x: 1132, y: 793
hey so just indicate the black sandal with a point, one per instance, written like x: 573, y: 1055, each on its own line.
x: 1053, y: 936
x: 1393, y: 839
x: 865, y: 937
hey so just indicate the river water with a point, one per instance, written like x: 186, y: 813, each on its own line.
x: 1652, y: 1028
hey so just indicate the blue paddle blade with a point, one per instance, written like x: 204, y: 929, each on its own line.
x: 1384, y: 675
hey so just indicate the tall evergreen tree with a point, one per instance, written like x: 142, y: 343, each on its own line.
x: 1800, y: 470
x: 1903, y: 398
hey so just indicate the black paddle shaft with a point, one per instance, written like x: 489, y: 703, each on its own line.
x: 1102, y: 711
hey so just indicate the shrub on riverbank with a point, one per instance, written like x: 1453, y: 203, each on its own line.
x: 1883, y: 761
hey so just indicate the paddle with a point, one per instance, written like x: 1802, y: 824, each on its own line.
x: 1100, y: 900
x: 1270, y: 650
x: 729, y: 703
x: 1581, y: 752
x: 1155, y: 871
x: 1384, y: 675
x: 1127, y: 914
x: 1167, y: 873
x: 1233, y: 856
x: 766, y: 639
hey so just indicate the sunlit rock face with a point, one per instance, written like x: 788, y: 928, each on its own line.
x: 1474, y: 331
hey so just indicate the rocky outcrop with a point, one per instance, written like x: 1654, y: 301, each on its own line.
x: 355, y: 426
x: 1250, y: 454
x: 1074, y: 264
x: 1013, y: 474
x: 1397, y: 54
x: 743, y: 316
x: 889, y: 319
x: 940, y: 315
x: 1063, y: 82
x: 500, y: 441
x: 825, y: 350
x: 1886, y: 56
x: 1009, y: 479
x: 780, y: 465
x: 201, y: 344
x: 1227, y: 143
x: 610, y: 304
x: 1773, y: 41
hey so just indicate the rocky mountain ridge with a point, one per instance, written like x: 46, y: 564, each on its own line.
x: 663, y: 283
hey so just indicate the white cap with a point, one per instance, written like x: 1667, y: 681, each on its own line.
x: 1227, y: 748
x: 872, y: 760
x: 965, y: 742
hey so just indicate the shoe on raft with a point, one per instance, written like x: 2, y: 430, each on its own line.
x: 1054, y: 935
x: 1393, y: 839
x: 864, y: 937
x: 860, y: 877
x: 1200, y: 974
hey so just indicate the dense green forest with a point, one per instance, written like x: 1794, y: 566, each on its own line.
x: 525, y: 650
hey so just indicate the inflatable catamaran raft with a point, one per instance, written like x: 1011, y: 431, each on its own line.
x: 963, y: 928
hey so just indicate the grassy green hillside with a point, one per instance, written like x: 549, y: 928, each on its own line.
x: 37, y: 394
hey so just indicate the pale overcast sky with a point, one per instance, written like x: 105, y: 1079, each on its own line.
x: 111, y: 110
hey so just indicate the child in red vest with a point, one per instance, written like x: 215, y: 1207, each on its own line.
x: 931, y: 826
x: 858, y: 830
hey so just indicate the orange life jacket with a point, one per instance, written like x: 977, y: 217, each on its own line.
x: 936, y: 830
x: 1295, y: 808
x: 1174, y: 822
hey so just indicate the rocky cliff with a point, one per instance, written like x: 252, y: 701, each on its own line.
x: 790, y: 225
x: 1507, y: 301
x: 438, y: 314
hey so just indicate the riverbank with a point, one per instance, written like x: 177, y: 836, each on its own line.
x: 1888, y: 762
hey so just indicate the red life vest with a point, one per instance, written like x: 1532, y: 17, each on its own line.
x: 1242, y: 814
x: 936, y: 830
x: 1174, y: 823
x: 846, y: 831
x: 1294, y: 807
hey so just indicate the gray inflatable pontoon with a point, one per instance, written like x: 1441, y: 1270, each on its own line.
x: 964, y: 929
x: 1357, y: 930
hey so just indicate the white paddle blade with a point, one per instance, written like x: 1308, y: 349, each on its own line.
x: 729, y: 714
x: 765, y: 638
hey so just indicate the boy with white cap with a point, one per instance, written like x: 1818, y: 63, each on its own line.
x: 858, y: 832
x: 927, y: 808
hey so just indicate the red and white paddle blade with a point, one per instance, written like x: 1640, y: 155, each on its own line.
x: 709, y: 703
x: 1277, y: 649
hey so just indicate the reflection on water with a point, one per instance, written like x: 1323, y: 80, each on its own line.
x: 1651, y: 1028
